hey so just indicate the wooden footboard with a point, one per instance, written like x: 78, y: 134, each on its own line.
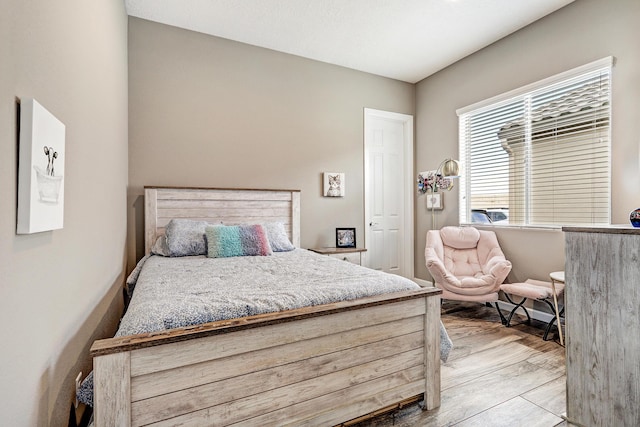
x: 320, y: 365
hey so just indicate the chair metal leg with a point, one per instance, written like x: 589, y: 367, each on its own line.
x: 517, y: 305
x: 557, y: 315
x: 503, y: 320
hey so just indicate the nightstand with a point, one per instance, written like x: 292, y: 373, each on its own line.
x: 353, y: 255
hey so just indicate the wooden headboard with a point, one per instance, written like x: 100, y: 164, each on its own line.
x: 231, y: 206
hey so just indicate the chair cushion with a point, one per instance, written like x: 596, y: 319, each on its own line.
x: 478, y: 281
x: 460, y: 237
x: 533, y: 289
x: 526, y: 290
x: 559, y: 286
x: 462, y: 262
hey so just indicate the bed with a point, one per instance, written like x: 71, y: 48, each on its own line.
x: 323, y: 364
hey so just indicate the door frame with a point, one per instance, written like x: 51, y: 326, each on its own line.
x: 408, y: 187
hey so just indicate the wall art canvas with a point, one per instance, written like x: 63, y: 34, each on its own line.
x: 40, y: 169
x: 334, y: 184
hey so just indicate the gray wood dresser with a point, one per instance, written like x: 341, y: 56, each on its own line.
x: 353, y: 255
x: 602, y: 300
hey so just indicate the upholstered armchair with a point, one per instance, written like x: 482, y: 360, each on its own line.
x: 466, y: 263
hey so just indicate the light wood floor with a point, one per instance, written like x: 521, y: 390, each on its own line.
x: 495, y: 376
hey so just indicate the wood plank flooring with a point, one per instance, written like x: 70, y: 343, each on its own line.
x: 495, y: 376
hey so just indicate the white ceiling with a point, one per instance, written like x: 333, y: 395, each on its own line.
x: 406, y: 40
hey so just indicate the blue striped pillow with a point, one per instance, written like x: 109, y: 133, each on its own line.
x: 237, y: 240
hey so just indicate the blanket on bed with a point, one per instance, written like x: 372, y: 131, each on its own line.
x: 177, y: 292
x: 174, y: 292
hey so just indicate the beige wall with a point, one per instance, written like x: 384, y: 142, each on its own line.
x: 209, y: 112
x: 581, y: 32
x: 61, y: 289
x: 205, y: 111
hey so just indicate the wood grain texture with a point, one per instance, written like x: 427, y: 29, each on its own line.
x: 173, y: 355
x: 255, y: 394
x: 132, y: 342
x: 150, y: 220
x: 112, y: 390
x: 378, y: 336
x: 612, y: 229
x: 508, y: 414
x: 337, y: 358
x: 262, y: 380
x: 432, y: 354
x: 550, y: 396
x: 602, y: 322
x: 462, y: 370
x: 229, y: 206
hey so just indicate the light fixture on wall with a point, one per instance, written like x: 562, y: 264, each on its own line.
x: 450, y: 168
x: 440, y: 179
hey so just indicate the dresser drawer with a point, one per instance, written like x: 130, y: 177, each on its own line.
x: 353, y: 257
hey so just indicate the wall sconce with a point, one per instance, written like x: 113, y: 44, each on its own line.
x: 439, y: 179
x: 450, y: 168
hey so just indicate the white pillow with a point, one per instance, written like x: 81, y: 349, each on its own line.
x: 277, y: 236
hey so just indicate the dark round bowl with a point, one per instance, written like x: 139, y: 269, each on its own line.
x: 634, y: 217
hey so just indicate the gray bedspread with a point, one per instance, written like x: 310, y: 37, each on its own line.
x: 177, y: 292
x: 174, y: 292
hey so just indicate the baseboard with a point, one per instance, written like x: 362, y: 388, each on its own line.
x: 535, y: 314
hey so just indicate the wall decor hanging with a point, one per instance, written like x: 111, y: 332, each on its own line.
x: 333, y: 184
x: 40, y: 169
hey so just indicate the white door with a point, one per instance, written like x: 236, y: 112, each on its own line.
x: 389, y: 191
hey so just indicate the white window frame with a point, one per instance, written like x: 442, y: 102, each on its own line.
x: 505, y: 98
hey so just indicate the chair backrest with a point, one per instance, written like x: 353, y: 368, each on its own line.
x: 460, y: 250
x: 464, y: 250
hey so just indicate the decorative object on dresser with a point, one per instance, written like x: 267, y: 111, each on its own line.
x: 334, y: 184
x: 353, y: 255
x: 345, y: 237
x: 634, y: 217
x: 320, y: 364
x: 40, y: 169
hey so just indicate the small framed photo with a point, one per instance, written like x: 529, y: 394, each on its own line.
x: 434, y: 201
x: 345, y: 237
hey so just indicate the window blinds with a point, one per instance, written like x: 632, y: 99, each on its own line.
x: 542, y: 152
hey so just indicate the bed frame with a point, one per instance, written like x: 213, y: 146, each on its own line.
x: 325, y: 365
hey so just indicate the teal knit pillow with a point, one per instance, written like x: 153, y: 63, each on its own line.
x: 237, y: 240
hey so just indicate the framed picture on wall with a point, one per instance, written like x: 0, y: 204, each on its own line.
x: 345, y: 237
x: 434, y: 201
x: 333, y: 184
x: 40, y: 169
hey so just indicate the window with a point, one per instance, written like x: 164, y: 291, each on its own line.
x: 540, y: 155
